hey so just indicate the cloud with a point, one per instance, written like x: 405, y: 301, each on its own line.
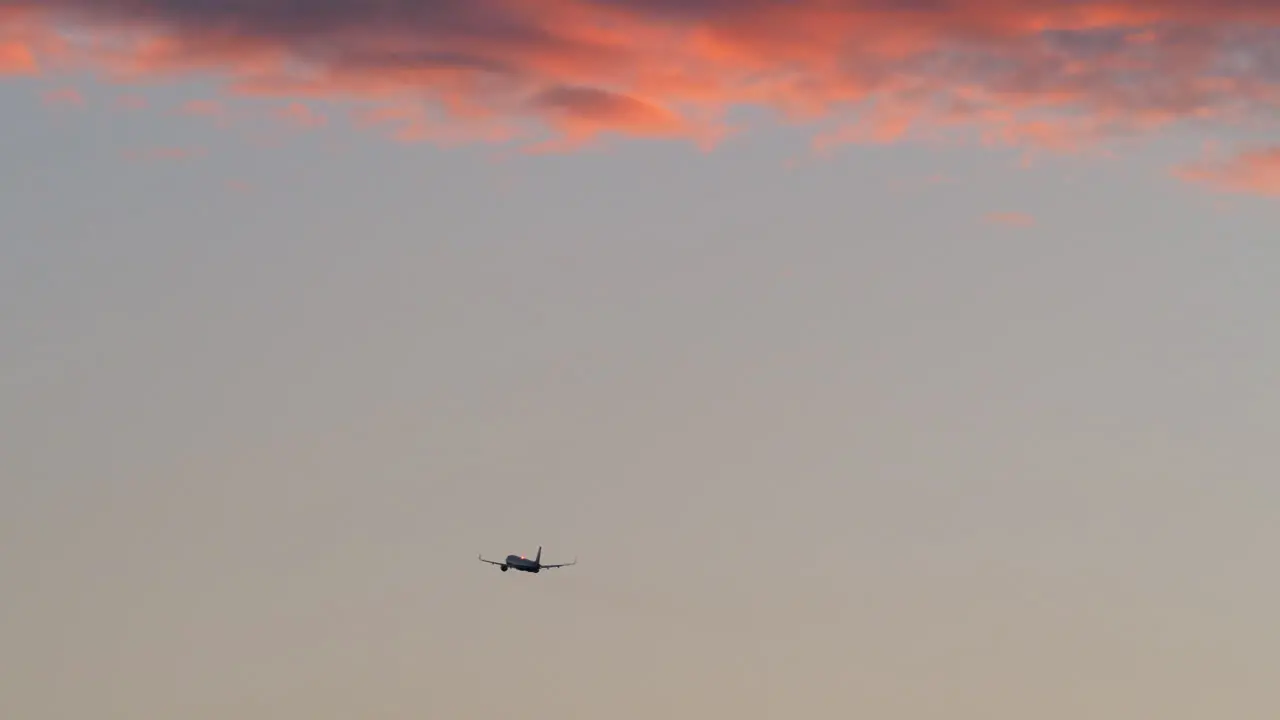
x: 1255, y: 172
x: 1054, y: 75
x: 591, y: 108
x: 583, y: 113
x: 16, y: 58
x: 1010, y: 219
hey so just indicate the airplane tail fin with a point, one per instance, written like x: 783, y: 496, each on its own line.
x: 538, y: 559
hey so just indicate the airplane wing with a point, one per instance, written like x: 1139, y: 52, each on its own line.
x: 575, y: 562
x: 491, y: 562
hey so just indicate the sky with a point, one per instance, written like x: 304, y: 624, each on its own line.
x: 874, y: 358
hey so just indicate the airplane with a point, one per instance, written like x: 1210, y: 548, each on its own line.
x: 524, y: 564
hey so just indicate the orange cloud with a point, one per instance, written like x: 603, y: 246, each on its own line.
x: 1254, y: 172
x: 583, y: 113
x: 16, y: 58
x: 1054, y: 75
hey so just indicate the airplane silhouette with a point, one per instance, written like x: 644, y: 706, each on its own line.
x: 524, y: 564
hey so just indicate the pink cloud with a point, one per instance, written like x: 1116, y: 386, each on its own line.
x: 1062, y: 76
x: 1255, y: 172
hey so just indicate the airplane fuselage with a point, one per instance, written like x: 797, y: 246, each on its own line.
x: 515, y: 562
x: 524, y: 564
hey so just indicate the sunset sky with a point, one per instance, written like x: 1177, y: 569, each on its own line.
x: 884, y: 359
